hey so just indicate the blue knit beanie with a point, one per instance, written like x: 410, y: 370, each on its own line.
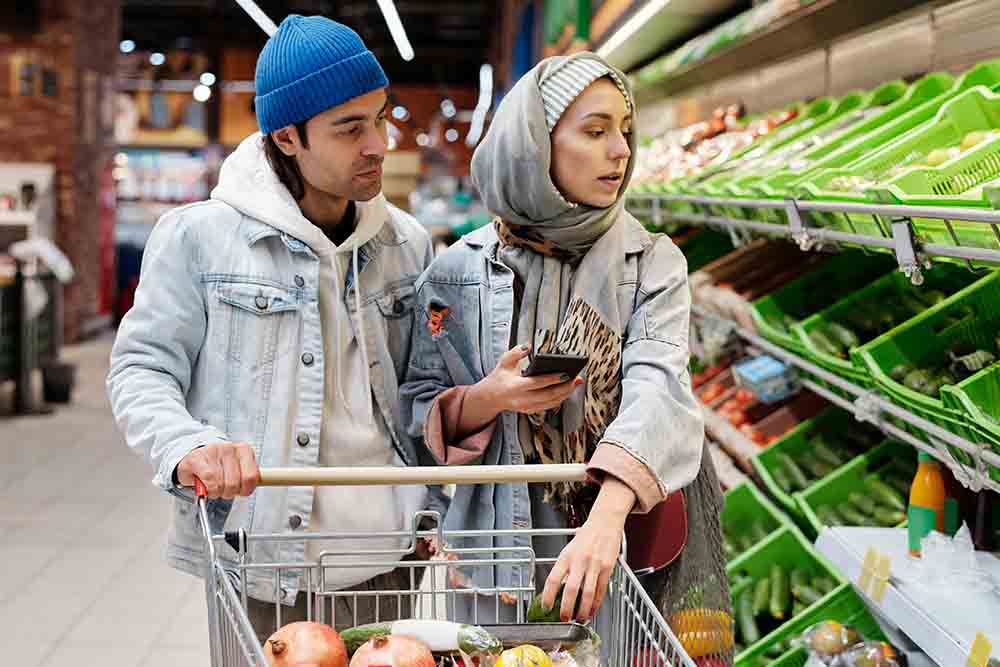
x: 310, y: 65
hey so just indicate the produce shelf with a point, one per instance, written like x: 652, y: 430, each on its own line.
x: 944, y: 623
x: 895, y: 223
x: 872, y: 407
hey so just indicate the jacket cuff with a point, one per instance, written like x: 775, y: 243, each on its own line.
x: 164, y: 478
x: 440, y: 436
x: 613, y: 459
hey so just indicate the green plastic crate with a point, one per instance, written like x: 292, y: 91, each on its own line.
x: 795, y: 442
x: 834, y: 489
x: 862, y: 156
x: 789, y: 549
x: 842, y: 605
x: 978, y: 399
x: 813, y: 291
x: 835, y: 153
x: 921, y: 342
x: 855, y: 111
x: 887, y: 289
x: 745, y: 505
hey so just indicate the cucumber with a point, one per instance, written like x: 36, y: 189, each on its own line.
x: 862, y: 502
x: 795, y: 473
x: 758, y: 530
x: 818, y: 469
x: 887, y: 517
x: 843, y: 335
x: 538, y: 614
x: 761, y: 596
x: 827, y: 454
x: 798, y: 579
x: 899, y: 484
x: 899, y: 373
x: 828, y: 516
x: 826, y: 344
x: 885, y: 494
x: 779, y: 592
x: 852, y: 516
x: 807, y: 595
x: 744, y: 615
x: 781, y: 477
x: 823, y: 584
x: 439, y: 636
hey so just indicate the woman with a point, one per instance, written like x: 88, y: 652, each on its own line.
x: 565, y: 268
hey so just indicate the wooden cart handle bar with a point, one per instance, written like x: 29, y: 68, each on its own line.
x: 392, y: 475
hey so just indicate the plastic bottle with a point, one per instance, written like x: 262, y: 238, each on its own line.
x: 927, y: 496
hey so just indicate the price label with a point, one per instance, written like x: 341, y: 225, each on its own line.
x: 881, y: 578
x: 868, y: 570
x: 979, y: 654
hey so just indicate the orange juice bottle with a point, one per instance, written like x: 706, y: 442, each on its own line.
x: 927, y: 498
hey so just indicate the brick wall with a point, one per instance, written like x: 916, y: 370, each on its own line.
x: 73, y: 130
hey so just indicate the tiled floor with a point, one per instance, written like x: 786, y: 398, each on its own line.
x: 82, y: 578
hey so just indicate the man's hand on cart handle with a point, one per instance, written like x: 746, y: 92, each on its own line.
x: 226, y: 469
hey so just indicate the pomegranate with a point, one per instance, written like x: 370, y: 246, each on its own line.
x: 305, y: 644
x: 393, y: 651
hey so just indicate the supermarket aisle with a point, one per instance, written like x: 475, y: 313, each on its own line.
x: 82, y: 580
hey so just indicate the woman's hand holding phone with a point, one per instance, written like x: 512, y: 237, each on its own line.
x: 508, y: 389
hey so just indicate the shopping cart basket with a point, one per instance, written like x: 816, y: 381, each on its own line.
x: 635, y: 633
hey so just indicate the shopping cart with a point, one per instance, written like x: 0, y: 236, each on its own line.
x: 634, y: 632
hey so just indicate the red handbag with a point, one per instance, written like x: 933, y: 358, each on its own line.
x: 655, y: 539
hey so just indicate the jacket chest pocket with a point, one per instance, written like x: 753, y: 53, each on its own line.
x: 254, y: 325
x: 395, y: 307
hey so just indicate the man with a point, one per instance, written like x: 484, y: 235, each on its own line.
x: 271, y: 326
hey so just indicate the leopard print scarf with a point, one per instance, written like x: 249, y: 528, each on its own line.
x: 572, y: 434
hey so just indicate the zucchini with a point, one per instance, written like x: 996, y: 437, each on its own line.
x: 888, y: 518
x: 795, y: 473
x: 779, y: 592
x: 744, y: 615
x: 885, y: 494
x: 829, y: 517
x: 537, y: 613
x: 761, y: 596
x: 798, y: 579
x: 842, y: 335
x: 781, y: 478
x: 900, y: 484
x: 439, y: 636
x: 827, y: 454
x: 862, y: 502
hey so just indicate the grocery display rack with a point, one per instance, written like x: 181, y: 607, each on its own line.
x: 894, y: 222
x: 871, y: 407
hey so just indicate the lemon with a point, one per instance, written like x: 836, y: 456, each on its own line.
x: 524, y: 656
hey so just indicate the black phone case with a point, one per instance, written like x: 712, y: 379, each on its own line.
x: 546, y: 364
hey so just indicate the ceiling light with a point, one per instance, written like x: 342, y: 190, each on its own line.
x: 127, y: 46
x: 202, y: 93
x: 448, y: 108
x: 629, y: 28
x: 423, y: 140
x: 207, y: 79
x: 258, y: 16
x: 483, y: 105
x: 400, y: 113
x: 157, y: 59
x: 396, y: 28
x: 451, y: 135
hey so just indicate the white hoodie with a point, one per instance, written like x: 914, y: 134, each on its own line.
x: 353, y: 433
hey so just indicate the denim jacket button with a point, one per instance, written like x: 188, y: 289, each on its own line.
x: 294, y: 521
x: 261, y: 302
x: 303, y: 439
x: 307, y: 359
x: 300, y: 281
x: 397, y: 307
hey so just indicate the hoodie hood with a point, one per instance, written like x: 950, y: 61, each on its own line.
x: 248, y: 183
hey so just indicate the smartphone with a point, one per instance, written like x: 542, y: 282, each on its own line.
x: 546, y: 364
